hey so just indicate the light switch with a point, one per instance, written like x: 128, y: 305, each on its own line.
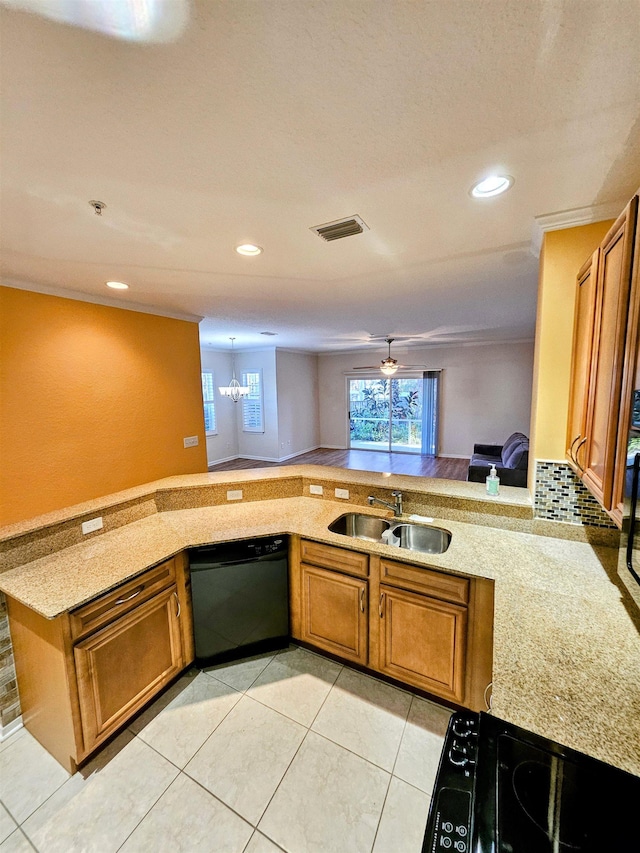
x: 234, y: 495
x: 315, y: 490
x: 342, y: 493
x: 191, y: 441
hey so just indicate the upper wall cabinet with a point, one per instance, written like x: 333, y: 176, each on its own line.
x: 583, y: 330
x: 602, y: 310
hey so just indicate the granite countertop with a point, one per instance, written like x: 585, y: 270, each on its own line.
x: 566, y: 651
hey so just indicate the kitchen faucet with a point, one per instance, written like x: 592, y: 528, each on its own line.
x: 396, y: 507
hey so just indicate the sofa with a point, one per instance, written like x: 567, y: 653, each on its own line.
x: 511, y: 460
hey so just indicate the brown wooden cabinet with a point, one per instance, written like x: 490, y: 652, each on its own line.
x: 82, y: 675
x: 122, y: 666
x: 583, y: 331
x: 334, y: 613
x: 422, y: 627
x: 423, y: 641
x: 600, y: 333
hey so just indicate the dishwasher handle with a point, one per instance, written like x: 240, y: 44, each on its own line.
x: 220, y: 564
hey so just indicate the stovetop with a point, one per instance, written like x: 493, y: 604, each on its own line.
x: 502, y: 789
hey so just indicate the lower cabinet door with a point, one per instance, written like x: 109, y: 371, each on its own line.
x: 422, y: 641
x: 123, y: 665
x: 334, y: 613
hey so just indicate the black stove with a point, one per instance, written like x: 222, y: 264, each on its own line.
x: 502, y: 789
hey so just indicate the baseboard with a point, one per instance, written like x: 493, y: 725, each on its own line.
x: 220, y: 461
x: 11, y: 728
x: 453, y: 456
x: 299, y: 453
x: 275, y: 458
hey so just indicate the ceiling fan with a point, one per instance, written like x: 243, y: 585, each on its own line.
x: 389, y: 365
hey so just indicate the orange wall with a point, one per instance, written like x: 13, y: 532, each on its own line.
x: 93, y: 400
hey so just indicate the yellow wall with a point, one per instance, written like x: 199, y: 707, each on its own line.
x: 563, y: 253
x: 93, y: 400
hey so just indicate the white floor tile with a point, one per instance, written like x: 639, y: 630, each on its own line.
x: 181, y: 728
x: 7, y: 824
x: 365, y: 716
x: 261, y: 844
x: 244, y: 760
x: 296, y: 683
x: 16, y: 843
x: 96, y: 815
x: 143, y: 719
x: 421, y: 746
x: 329, y: 801
x: 403, y: 821
x: 187, y: 819
x: 28, y: 776
x: 9, y: 741
x: 241, y: 674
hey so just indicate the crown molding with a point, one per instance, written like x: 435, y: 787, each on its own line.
x: 571, y: 219
x: 97, y: 299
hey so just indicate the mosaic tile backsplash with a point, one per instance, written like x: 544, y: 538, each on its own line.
x: 9, y: 702
x: 560, y: 496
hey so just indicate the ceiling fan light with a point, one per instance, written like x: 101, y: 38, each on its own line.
x: 388, y: 366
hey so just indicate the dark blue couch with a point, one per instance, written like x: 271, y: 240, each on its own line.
x: 511, y: 460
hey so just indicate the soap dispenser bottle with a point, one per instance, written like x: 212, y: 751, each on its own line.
x: 493, y: 482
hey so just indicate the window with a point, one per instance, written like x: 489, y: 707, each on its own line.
x: 252, y: 408
x: 208, y: 402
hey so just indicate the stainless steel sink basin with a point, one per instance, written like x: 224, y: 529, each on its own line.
x: 417, y: 537
x: 413, y: 537
x: 361, y: 526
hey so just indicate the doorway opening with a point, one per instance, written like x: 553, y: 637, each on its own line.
x: 398, y: 414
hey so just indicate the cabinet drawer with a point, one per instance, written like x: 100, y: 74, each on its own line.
x: 113, y: 604
x: 428, y: 581
x: 350, y: 562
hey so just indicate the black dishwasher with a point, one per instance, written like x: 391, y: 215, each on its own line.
x: 240, y: 594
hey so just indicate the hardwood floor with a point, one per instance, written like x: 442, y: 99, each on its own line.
x: 364, y: 460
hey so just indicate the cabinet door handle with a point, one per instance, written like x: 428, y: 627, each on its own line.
x: 488, y: 695
x: 178, y: 603
x: 381, y: 605
x: 362, y: 599
x: 577, y: 438
x: 134, y: 594
x: 578, y: 451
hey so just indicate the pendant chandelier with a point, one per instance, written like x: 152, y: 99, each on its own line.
x: 234, y: 389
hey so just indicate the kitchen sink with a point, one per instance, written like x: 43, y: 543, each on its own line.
x: 417, y: 537
x: 413, y: 537
x: 361, y: 526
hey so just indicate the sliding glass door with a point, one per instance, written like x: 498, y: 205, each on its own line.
x: 389, y: 414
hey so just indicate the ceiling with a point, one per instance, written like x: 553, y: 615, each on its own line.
x: 259, y: 119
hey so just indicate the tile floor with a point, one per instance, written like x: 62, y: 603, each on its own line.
x: 281, y: 752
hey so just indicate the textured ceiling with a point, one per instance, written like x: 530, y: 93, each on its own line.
x: 267, y: 117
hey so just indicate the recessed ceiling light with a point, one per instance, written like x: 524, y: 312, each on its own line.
x: 493, y: 185
x: 117, y: 285
x: 248, y: 249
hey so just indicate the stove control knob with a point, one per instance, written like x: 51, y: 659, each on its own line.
x: 462, y: 727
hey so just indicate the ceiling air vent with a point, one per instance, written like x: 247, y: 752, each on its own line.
x: 341, y: 228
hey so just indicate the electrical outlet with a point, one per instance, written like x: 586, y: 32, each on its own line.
x: 93, y: 524
x: 191, y: 441
x: 234, y: 495
x: 315, y: 490
x: 342, y: 493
